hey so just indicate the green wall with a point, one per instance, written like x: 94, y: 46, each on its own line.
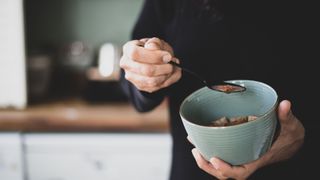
x: 55, y: 22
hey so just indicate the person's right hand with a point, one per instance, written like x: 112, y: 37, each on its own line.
x: 145, y: 64
x: 287, y: 143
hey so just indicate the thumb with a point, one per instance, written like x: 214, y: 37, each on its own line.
x: 153, y: 44
x: 284, y: 111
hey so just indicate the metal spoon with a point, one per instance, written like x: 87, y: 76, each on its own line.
x: 225, y: 87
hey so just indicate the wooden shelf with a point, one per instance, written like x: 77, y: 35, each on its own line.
x: 77, y: 115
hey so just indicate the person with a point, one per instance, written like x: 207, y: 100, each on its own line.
x: 221, y: 40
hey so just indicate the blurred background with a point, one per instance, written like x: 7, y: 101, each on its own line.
x: 63, y: 115
x: 67, y: 37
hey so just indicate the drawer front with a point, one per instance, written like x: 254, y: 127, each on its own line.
x: 98, y: 156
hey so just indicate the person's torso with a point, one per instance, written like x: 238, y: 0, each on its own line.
x: 231, y: 40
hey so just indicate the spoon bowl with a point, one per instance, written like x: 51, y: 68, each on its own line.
x: 223, y: 86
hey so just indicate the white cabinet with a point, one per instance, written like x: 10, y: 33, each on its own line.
x: 107, y: 156
x: 13, y: 87
x: 11, y: 166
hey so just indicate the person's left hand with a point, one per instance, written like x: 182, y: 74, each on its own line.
x: 289, y: 140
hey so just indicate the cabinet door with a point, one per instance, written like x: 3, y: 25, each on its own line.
x: 98, y: 156
x: 11, y: 166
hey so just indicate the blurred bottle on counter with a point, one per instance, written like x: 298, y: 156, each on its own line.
x: 75, y: 56
x: 39, y: 71
x: 103, y: 77
x: 83, y: 72
x: 72, y: 61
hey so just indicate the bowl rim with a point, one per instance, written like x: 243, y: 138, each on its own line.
x: 237, y: 81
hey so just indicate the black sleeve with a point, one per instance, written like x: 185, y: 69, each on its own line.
x: 147, y: 25
x: 142, y: 101
x: 150, y: 21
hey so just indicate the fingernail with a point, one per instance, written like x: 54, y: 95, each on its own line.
x: 214, y: 162
x: 166, y: 58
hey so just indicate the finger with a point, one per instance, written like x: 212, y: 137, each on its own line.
x: 139, y: 43
x: 175, y: 76
x: 172, y: 79
x: 144, y: 82
x: 159, y: 44
x: 136, y: 52
x: 150, y: 89
x: 143, y: 69
x: 167, y: 47
x: 204, y: 165
x: 176, y: 60
x: 284, y: 112
x: 289, y: 123
x: 224, y: 169
x: 189, y: 139
x: 154, y: 44
x: 144, y: 40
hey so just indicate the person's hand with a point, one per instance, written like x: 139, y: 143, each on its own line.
x: 288, y: 142
x: 145, y: 64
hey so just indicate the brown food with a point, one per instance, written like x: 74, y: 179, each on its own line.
x: 227, y: 88
x: 238, y: 120
x: 251, y: 118
x: 224, y: 121
x: 220, y: 122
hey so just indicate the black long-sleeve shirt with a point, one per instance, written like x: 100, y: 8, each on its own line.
x: 225, y: 40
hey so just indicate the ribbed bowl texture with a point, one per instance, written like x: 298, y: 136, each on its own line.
x: 237, y: 144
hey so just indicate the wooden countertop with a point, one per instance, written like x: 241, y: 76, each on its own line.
x: 77, y: 115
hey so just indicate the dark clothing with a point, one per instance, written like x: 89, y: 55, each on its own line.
x: 225, y: 40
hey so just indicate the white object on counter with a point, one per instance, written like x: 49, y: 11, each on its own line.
x: 108, y: 62
x: 13, y: 91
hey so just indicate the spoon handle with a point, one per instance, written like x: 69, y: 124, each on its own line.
x: 225, y: 87
x: 190, y: 72
x: 176, y: 64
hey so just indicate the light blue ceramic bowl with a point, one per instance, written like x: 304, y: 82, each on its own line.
x: 236, y: 144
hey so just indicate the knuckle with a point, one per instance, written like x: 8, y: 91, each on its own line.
x: 144, y: 40
x: 151, y: 82
x: 223, y: 174
x: 200, y: 164
x: 122, y: 62
x: 133, y: 53
x: 127, y: 77
x: 124, y: 47
x: 157, y: 43
x: 127, y: 46
x: 156, y: 40
x: 130, y: 50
